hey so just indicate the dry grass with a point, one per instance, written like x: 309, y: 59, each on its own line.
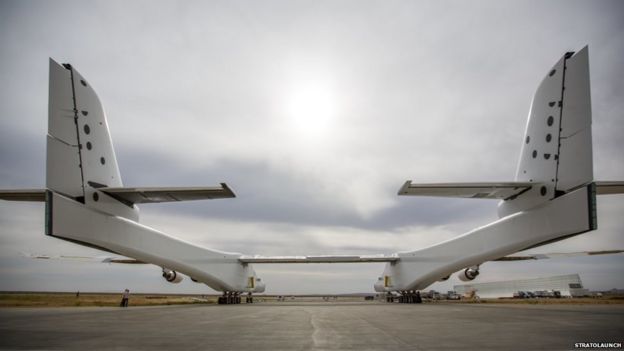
x: 94, y: 299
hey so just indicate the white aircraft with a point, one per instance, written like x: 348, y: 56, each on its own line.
x: 552, y: 198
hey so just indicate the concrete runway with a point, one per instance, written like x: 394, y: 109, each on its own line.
x: 312, y: 326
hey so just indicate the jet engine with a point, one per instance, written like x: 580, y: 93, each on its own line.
x: 380, y: 285
x: 469, y: 274
x: 260, y: 286
x: 172, y: 276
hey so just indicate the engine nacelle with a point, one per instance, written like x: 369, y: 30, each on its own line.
x: 260, y: 286
x: 380, y: 285
x: 172, y: 276
x: 468, y: 274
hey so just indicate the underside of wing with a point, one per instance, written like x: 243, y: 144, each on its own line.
x: 96, y: 259
x: 23, y: 195
x: 500, y: 190
x: 122, y: 260
x: 610, y: 187
x: 318, y: 259
x: 558, y: 255
x: 166, y: 194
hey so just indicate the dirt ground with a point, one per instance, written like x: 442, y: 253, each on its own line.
x: 95, y: 299
x: 61, y: 299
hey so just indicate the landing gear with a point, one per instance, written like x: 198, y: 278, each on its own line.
x: 233, y: 298
x: 228, y: 298
x: 389, y: 297
x: 406, y: 296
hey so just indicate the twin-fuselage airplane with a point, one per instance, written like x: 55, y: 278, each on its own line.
x: 553, y: 196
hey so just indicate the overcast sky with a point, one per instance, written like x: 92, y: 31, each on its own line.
x: 315, y: 113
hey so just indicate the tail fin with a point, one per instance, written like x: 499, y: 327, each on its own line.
x: 575, y: 166
x: 80, y: 156
x: 557, y: 148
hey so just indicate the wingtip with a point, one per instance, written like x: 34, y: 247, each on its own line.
x: 404, y: 187
x: 227, y: 189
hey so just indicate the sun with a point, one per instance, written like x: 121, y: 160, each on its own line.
x: 311, y: 108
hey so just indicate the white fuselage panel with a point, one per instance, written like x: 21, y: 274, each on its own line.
x: 220, y: 270
x: 561, y: 217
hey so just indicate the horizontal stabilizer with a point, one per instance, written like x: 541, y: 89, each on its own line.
x: 500, y: 191
x: 22, y: 194
x: 608, y: 188
x: 318, y: 259
x: 161, y: 194
x: 558, y: 255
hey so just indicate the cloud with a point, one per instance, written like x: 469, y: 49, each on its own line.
x: 197, y: 93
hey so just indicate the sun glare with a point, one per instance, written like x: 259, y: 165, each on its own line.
x: 311, y: 108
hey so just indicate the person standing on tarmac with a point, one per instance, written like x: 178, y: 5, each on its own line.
x: 418, y: 299
x: 124, y: 298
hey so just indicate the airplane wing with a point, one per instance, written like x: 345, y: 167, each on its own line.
x: 101, y: 259
x: 500, y: 190
x: 609, y: 187
x: 162, y: 194
x: 122, y: 260
x: 242, y: 259
x: 318, y: 259
x: 23, y: 195
x: 558, y: 255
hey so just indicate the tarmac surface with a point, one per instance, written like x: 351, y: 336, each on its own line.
x: 312, y: 326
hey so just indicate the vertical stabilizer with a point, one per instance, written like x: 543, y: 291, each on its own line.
x: 81, y: 157
x: 575, y: 167
x: 557, y: 147
x: 63, y: 169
